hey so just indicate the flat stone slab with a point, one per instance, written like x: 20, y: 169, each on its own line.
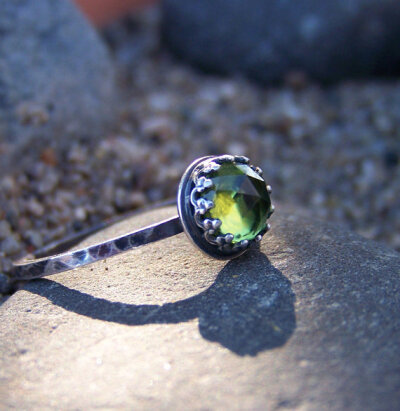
x: 309, y: 322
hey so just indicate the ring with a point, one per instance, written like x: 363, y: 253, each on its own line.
x: 223, y: 206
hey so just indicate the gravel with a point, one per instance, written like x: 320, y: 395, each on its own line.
x: 334, y: 151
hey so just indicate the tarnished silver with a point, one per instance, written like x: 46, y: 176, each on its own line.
x: 192, y: 208
x: 29, y: 269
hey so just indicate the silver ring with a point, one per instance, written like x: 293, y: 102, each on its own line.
x: 223, y: 206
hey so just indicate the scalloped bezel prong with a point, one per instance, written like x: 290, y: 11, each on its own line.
x: 216, y: 223
x: 227, y: 158
x: 242, y: 245
x: 226, y: 248
x: 242, y: 159
x: 203, y: 184
x: 207, y: 223
x: 203, y: 205
x: 209, y: 168
x: 229, y: 238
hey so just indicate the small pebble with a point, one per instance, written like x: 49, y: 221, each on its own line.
x: 35, y: 208
x: 80, y: 213
x: 10, y: 246
x: 5, y: 229
x: 32, y: 113
x: 159, y: 127
x: 49, y: 156
x: 34, y: 238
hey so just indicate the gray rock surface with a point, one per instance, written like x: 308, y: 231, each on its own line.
x: 309, y: 322
x: 56, y: 77
x: 267, y: 39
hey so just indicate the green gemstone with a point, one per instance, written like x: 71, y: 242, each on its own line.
x: 241, y: 201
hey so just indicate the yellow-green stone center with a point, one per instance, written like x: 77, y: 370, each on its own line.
x: 241, y: 201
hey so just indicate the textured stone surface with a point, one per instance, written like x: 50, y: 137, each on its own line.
x: 266, y: 39
x: 56, y: 78
x: 310, y: 322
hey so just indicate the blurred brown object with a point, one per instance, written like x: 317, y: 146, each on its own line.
x: 101, y: 12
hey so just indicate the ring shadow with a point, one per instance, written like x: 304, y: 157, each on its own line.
x: 248, y: 309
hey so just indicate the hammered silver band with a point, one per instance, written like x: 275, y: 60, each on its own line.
x: 47, y: 265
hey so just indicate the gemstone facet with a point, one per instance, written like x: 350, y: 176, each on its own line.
x: 241, y: 201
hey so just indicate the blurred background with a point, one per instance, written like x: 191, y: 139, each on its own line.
x: 104, y: 103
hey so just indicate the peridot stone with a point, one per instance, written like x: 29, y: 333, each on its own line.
x: 241, y: 201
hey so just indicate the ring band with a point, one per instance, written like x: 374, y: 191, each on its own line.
x: 223, y: 205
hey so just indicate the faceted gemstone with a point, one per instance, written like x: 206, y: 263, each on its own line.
x: 241, y: 201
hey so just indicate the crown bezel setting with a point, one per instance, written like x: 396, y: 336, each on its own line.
x: 203, y: 230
